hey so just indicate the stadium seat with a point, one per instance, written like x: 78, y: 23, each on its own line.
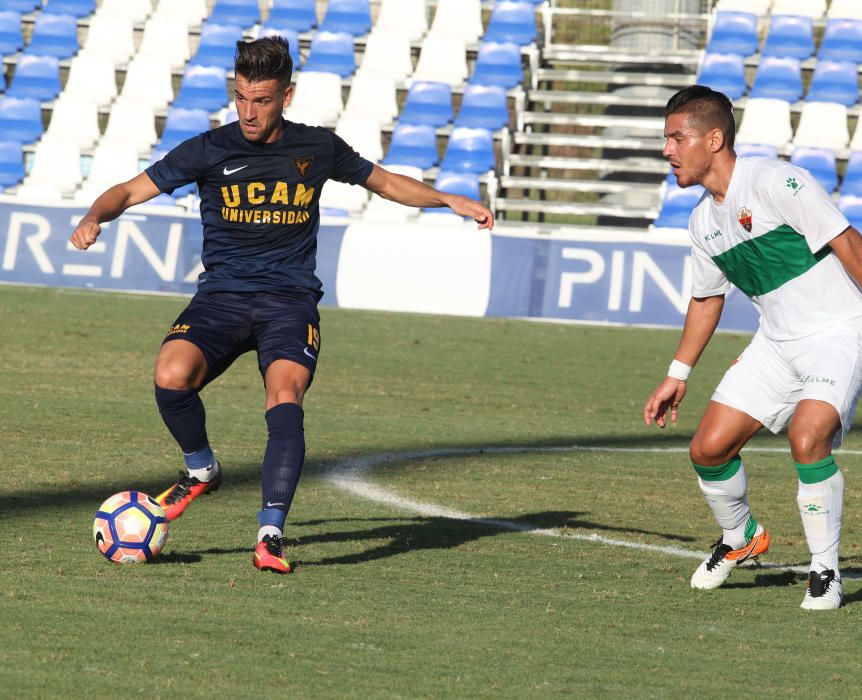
x: 218, y: 45
x: 112, y: 163
x: 852, y: 182
x: 428, y: 103
x: 822, y: 124
x: 189, y: 13
x: 316, y: 99
x: 483, y: 107
x: 778, y: 78
x: 812, y: 9
x: 290, y: 35
x: 443, y: 58
x: 92, y: 77
x: 469, y: 150
x: 342, y: 199
x: 165, y: 40
x: 20, y: 119
x: 754, y: 150
x: 765, y: 121
x: 22, y: 6
x: 512, y: 22
x: 11, y: 37
x: 132, y: 123
x: 851, y: 206
x: 820, y: 162
x: 56, y: 164
x: 844, y: 9
x: 498, y: 64
x: 37, y: 77
x: 372, y: 97
x: 459, y: 18
x: 677, y: 204
x: 725, y: 73
x: 203, y: 87
x: 245, y: 13
x: 299, y: 15
x: 77, y: 8
x: 734, y: 32
x: 111, y: 35
x: 757, y: 7
x: 348, y: 16
x: 790, y: 37
x: 148, y: 81
x: 387, y: 56
x: 135, y: 10
x: 414, y: 145
x: 834, y: 81
x: 11, y: 163
x: 363, y: 135
x: 842, y: 41
x: 332, y: 53
x: 182, y: 124
x: 463, y: 183
x: 54, y: 35
x: 407, y: 17
x: 74, y: 120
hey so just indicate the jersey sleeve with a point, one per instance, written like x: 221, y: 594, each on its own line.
x: 801, y: 201
x: 347, y: 165
x: 707, y: 279
x: 180, y: 166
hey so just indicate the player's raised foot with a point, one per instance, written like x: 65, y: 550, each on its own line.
x: 718, y: 566
x: 823, y: 592
x: 269, y: 555
x: 176, y: 499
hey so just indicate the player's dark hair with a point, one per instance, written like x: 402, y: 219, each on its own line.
x: 707, y: 109
x: 264, y: 59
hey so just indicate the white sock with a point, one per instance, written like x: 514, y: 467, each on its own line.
x: 729, y: 505
x: 820, y: 507
x: 270, y: 530
x: 206, y: 473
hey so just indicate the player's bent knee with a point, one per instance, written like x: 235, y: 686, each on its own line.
x: 173, y: 376
x: 710, y: 452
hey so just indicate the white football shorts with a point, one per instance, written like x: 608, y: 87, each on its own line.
x: 771, y: 377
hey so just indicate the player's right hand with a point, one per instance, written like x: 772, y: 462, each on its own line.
x: 86, y: 234
x: 668, y: 395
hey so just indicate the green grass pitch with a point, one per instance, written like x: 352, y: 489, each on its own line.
x: 393, y: 600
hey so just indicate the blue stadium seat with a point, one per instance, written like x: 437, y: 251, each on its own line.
x: 469, y: 150
x: 513, y: 22
x: 292, y: 36
x: 834, y: 81
x: 790, y: 36
x: 22, y: 6
x: 332, y: 52
x: 245, y: 13
x: 483, y: 107
x: 677, y: 204
x: 54, y: 35
x: 218, y: 45
x: 182, y: 124
x: 754, y: 150
x: 413, y: 144
x: 299, y: 15
x: 428, y: 103
x: 20, y: 119
x: 851, y: 206
x: 734, y: 32
x: 350, y: 16
x: 203, y: 87
x: 778, y: 78
x: 852, y: 182
x: 11, y: 163
x: 78, y: 8
x: 724, y: 72
x: 37, y: 77
x: 842, y: 41
x: 498, y: 64
x: 11, y: 38
x: 820, y: 162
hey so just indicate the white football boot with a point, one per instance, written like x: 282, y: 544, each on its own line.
x: 823, y: 592
x: 720, y: 564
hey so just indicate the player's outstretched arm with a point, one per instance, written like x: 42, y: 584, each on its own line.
x: 411, y: 192
x: 701, y: 320
x: 109, y: 205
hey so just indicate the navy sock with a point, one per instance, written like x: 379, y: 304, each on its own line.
x: 283, y: 459
x: 183, y: 413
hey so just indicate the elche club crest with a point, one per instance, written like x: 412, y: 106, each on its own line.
x: 744, y: 218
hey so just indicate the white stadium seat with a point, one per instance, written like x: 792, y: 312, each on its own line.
x: 112, y: 163
x: 135, y: 10
x: 408, y: 17
x: 460, y: 18
x: 188, y: 12
x: 823, y: 125
x: 363, y: 135
x: 57, y: 164
x: 74, y: 120
x: 443, y: 58
x: 133, y: 123
x: 316, y: 99
x: 845, y: 9
x: 765, y: 121
x: 165, y: 40
x: 815, y: 9
x: 92, y: 77
x: 387, y: 55
x: 372, y: 97
x: 340, y: 195
x: 111, y: 35
x: 148, y: 80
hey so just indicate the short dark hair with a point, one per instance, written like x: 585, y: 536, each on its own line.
x: 264, y: 59
x: 708, y: 108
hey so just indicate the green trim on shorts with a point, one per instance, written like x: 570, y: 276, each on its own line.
x: 817, y: 472
x: 722, y: 472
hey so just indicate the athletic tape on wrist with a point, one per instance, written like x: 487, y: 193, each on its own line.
x: 679, y: 370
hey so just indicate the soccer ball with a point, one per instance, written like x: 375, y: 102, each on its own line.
x: 130, y: 527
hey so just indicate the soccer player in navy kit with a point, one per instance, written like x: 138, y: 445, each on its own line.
x: 259, y: 180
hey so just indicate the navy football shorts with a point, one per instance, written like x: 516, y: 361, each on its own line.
x: 224, y: 325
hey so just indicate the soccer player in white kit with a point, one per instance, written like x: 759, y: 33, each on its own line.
x: 770, y: 229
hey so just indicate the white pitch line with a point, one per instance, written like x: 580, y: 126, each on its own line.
x: 347, y: 475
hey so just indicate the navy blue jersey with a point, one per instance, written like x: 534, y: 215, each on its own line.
x: 260, y: 202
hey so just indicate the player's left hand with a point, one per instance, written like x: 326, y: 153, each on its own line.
x: 464, y: 206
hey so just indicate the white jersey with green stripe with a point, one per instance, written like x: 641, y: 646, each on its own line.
x: 769, y: 238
